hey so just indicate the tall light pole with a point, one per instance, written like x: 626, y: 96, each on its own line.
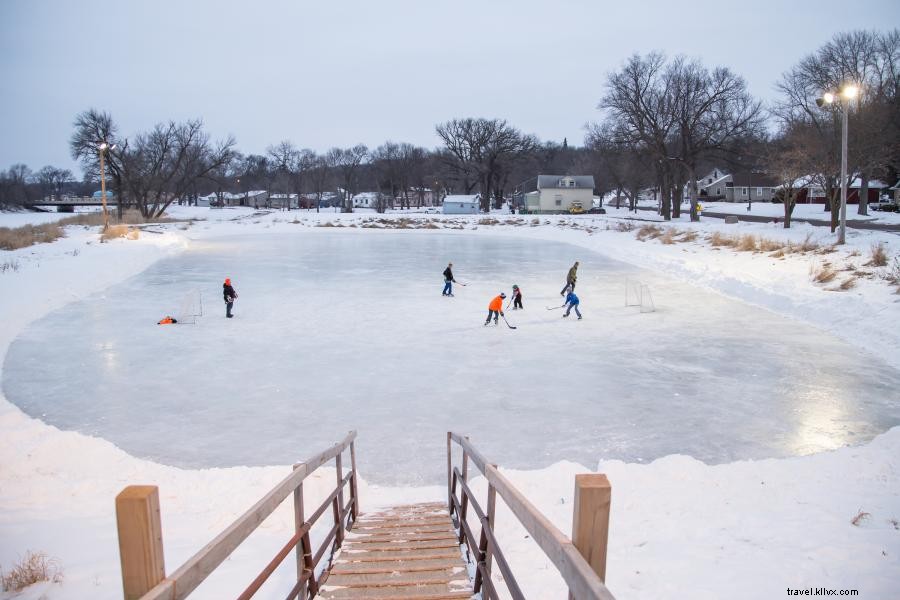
x: 103, y: 148
x: 848, y: 93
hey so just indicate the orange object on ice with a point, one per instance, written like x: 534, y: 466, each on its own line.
x: 167, y: 321
x: 497, y: 303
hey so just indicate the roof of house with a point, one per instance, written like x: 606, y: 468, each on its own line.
x: 746, y: 179
x: 463, y: 198
x: 552, y: 181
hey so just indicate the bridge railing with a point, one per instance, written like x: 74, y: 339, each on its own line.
x: 581, y: 560
x: 140, y: 534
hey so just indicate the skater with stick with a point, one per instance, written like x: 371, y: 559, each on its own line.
x: 570, y: 280
x: 230, y: 296
x: 572, y: 302
x: 516, y: 298
x: 495, y: 309
x: 448, y: 281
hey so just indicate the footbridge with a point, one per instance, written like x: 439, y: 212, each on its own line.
x: 441, y: 550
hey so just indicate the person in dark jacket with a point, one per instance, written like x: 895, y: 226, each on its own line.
x: 230, y: 296
x: 448, y: 281
x: 572, y: 302
x: 517, y: 297
x: 570, y: 280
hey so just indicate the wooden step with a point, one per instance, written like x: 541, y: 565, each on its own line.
x: 397, y: 538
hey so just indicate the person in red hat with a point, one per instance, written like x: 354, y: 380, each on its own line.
x: 230, y: 296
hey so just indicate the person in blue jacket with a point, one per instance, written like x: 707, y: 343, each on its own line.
x: 572, y: 302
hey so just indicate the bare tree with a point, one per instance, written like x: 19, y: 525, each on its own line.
x: 477, y: 150
x: 52, y: 180
x: 346, y: 162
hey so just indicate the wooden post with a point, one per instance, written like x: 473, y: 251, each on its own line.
x: 299, y: 519
x: 590, y: 523
x: 354, y: 490
x: 339, y: 514
x: 140, y: 539
x: 449, y: 474
x: 491, y: 512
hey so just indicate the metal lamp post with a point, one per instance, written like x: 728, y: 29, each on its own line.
x: 848, y: 93
x: 103, y: 148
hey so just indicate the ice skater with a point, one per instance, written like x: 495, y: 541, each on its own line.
x: 448, y: 281
x: 495, y: 309
x: 570, y: 280
x: 229, y: 295
x: 516, y: 297
x: 572, y: 302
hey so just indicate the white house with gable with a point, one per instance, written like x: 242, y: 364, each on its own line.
x: 462, y: 205
x: 557, y: 193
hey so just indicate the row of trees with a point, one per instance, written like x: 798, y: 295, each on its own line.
x: 663, y: 119
x: 663, y: 122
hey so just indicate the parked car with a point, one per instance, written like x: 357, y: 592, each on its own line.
x: 887, y: 206
x: 597, y: 210
x: 575, y: 208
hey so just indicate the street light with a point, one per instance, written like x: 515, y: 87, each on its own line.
x: 848, y: 93
x: 103, y: 148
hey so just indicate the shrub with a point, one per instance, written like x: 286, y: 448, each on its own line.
x: 720, y: 239
x: 767, y: 245
x: 878, y: 255
x: 747, y: 243
x: 823, y: 273
x: 624, y: 226
x: 648, y: 232
x: 27, y: 235
x: 33, y: 568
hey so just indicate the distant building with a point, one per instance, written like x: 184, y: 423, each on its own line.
x: 557, y: 193
x: 283, y: 201
x: 462, y: 205
x: 366, y: 200
x: 744, y: 186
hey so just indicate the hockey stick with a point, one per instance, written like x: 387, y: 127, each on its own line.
x: 507, y: 322
x: 554, y: 307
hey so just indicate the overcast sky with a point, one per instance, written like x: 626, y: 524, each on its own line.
x: 338, y: 73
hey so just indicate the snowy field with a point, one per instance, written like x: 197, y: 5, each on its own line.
x: 779, y: 366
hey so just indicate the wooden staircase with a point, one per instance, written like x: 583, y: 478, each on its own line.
x: 403, y: 553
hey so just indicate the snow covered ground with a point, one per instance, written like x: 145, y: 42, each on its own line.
x: 745, y: 529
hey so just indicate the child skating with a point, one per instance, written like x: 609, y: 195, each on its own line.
x: 495, y: 309
x: 572, y: 302
x: 517, y: 297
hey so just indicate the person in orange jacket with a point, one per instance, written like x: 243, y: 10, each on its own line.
x: 495, y: 308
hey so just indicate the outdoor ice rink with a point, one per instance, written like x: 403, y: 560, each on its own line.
x: 337, y: 330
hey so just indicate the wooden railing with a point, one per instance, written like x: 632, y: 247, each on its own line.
x: 582, y: 562
x: 140, y: 535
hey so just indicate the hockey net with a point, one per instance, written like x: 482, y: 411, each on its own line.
x: 190, y: 307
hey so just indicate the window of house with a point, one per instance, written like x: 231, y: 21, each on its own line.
x: 718, y: 191
x: 759, y: 191
x: 559, y: 200
x: 743, y: 191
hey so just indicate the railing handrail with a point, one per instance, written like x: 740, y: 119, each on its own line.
x: 191, y: 574
x: 583, y: 582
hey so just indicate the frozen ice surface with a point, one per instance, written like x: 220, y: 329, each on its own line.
x: 336, y: 330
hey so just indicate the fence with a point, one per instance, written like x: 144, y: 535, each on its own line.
x: 581, y: 561
x: 140, y: 535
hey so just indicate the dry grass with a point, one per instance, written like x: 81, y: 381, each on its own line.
x: 688, y: 236
x: 488, y: 221
x: 648, y: 232
x: 768, y: 245
x: 624, y: 226
x: 9, y: 265
x: 823, y: 273
x: 859, y: 518
x: 807, y: 245
x: 27, y: 235
x: 718, y: 239
x: 33, y: 568
x: 747, y: 243
x: 879, y: 257
x: 847, y: 284
x: 778, y: 253
x: 668, y: 237
x: 120, y: 231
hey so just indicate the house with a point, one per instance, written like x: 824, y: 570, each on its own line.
x: 365, y: 200
x: 558, y: 193
x: 283, y: 201
x: 811, y: 192
x: 896, y: 193
x: 420, y: 197
x: 462, y: 205
x: 746, y: 186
